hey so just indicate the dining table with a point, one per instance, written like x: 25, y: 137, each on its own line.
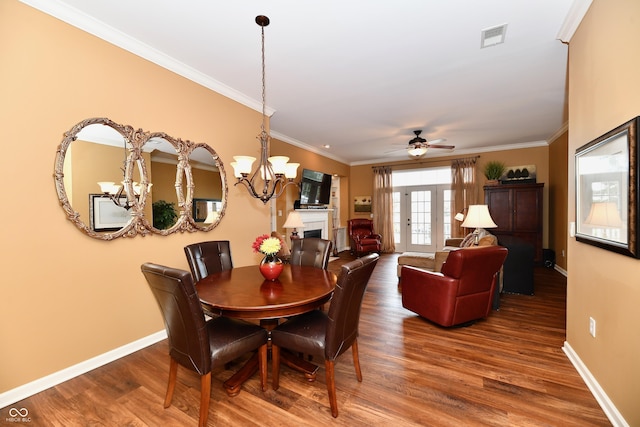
x: 243, y: 293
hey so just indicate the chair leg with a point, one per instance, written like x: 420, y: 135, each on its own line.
x: 356, y: 360
x: 205, y: 397
x: 173, y: 372
x: 329, y: 366
x: 275, y: 366
x: 262, y: 363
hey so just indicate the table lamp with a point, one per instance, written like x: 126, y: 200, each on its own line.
x: 294, y: 221
x: 604, y: 214
x: 478, y: 217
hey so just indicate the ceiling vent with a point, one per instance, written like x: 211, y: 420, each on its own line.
x: 492, y: 36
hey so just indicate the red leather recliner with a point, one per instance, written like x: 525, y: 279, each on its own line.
x: 362, y: 238
x: 461, y: 293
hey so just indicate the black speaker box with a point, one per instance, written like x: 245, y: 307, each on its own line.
x: 549, y: 258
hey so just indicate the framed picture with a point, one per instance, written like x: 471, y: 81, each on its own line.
x: 105, y: 215
x: 362, y: 204
x: 607, y: 190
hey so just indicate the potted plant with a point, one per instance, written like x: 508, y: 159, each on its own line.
x: 493, y: 170
x: 164, y: 214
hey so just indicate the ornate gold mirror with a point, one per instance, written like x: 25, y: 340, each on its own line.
x: 113, y: 181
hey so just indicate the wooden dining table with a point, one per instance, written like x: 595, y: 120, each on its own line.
x: 243, y: 293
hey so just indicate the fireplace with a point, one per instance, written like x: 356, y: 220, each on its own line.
x: 316, y: 220
x: 313, y: 233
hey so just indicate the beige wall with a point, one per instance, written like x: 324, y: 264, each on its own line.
x: 604, y: 93
x: 558, y: 200
x: 65, y: 296
x: 362, y: 176
x: 313, y: 161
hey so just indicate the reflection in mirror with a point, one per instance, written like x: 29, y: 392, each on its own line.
x: 168, y: 192
x: 95, y: 150
x: 209, y: 187
x: 126, y: 203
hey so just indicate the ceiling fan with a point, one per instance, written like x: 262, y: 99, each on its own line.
x: 418, y: 146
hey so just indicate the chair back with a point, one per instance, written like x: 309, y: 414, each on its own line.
x: 183, y: 316
x: 206, y: 258
x: 344, y: 311
x: 311, y: 251
x: 475, y: 268
x: 361, y: 227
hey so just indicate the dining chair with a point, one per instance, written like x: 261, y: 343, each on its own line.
x: 194, y: 343
x: 205, y: 258
x: 328, y: 334
x: 311, y: 251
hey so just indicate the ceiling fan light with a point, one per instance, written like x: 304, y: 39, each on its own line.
x: 417, y: 151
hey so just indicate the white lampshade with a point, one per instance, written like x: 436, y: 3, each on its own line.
x: 236, y: 170
x: 604, y: 214
x: 293, y: 221
x: 478, y: 217
x: 291, y: 170
x: 459, y: 216
x: 243, y: 164
x: 108, y: 187
x: 279, y: 164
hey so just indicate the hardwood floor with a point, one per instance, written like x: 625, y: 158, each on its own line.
x: 507, y: 370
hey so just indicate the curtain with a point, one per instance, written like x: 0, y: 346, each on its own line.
x: 464, y: 190
x: 383, y: 207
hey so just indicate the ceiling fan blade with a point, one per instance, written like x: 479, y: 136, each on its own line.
x: 448, y: 147
x: 436, y: 141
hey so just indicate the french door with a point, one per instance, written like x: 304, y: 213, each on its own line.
x: 421, y: 217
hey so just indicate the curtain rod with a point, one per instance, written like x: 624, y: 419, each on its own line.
x: 412, y: 162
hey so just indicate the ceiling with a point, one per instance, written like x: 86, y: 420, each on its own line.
x: 360, y: 75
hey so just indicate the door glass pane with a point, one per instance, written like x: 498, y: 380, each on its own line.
x: 446, y: 214
x: 421, y: 217
x: 396, y: 217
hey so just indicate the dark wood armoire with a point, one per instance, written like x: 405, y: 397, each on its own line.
x: 517, y: 210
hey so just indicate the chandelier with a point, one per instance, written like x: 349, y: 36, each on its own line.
x: 272, y: 174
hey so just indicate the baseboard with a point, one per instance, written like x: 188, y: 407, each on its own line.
x: 34, y: 387
x: 560, y: 270
x: 603, y: 400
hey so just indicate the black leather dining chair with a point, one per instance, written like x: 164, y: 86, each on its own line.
x: 329, y: 334
x: 312, y: 251
x: 205, y: 258
x: 194, y: 343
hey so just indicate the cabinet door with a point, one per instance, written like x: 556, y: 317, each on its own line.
x: 526, y: 209
x: 500, y: 208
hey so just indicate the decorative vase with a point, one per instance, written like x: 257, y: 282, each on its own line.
x: 271, y: 266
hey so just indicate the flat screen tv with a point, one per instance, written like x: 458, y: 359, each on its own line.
x: 315, y: 188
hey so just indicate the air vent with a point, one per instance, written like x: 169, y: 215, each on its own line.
x: 493, y: 36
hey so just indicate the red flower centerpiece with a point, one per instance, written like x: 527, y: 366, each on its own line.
x: 270, y: 266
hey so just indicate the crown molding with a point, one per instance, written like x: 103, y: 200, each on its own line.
x: 456, y: 152
x: 292, y: 141
x: 84, y: 22
x: 575, y: 15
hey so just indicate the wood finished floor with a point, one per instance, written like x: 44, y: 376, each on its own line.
x: 508, y: 370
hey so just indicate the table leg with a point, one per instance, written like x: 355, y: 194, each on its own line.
x: 299, y: 364
x: 234, y: 383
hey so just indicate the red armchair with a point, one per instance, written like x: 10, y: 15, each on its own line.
x: 362, y: 238
x: 461, y: 293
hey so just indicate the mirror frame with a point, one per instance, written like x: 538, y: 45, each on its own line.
x: 136, y: 140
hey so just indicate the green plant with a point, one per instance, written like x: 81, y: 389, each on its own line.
x: 164, y: 214
x: 494, y: 169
